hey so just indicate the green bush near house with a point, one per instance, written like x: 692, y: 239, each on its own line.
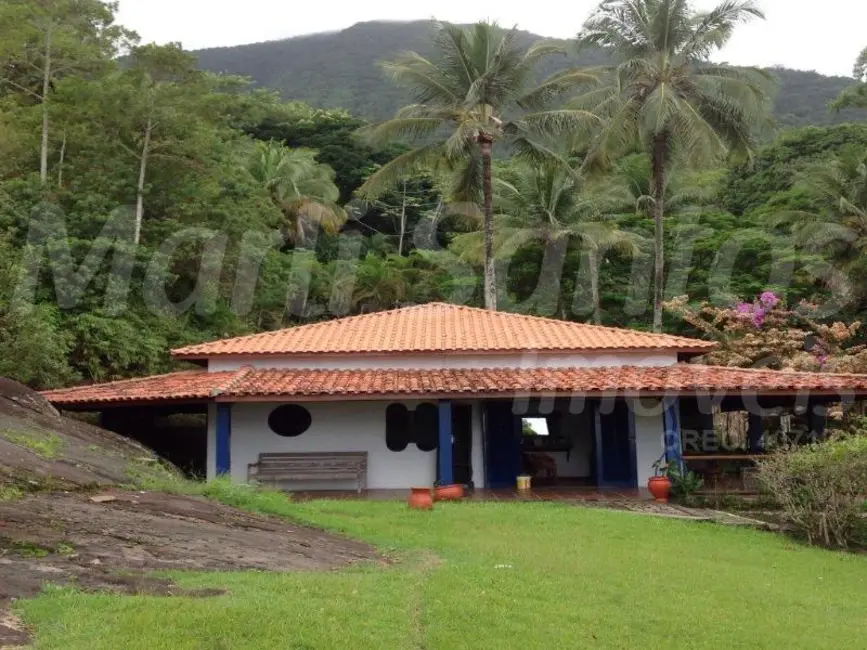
x: 821, y: 489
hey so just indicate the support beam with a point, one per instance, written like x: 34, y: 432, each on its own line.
x: 444, y: 446
x: 755, y: 433
x: 816, y: 420
x: 224, y: 438
x: 671, y: 424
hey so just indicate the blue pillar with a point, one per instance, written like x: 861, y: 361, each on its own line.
x: 224, y: 437
x: 444, y: 446
x: 671, y: 422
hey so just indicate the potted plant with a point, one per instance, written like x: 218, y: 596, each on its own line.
x: 659, y: 484
x: 451, y: 492
x: 420, y: 498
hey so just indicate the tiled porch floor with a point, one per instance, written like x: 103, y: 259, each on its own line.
x: 566, y: 494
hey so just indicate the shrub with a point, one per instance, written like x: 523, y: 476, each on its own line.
x: 820, y: 488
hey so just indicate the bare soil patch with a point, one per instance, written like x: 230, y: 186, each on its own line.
x: 69, y: 539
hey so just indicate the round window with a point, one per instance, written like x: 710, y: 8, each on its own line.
x: 289, y: 420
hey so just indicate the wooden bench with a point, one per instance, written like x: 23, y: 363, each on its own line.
x: 310, y: 466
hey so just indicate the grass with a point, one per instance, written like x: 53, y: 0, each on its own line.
x: 43, y: 443
x: 521, y: 576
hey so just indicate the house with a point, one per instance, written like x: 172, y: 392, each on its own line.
x: 458, y: 394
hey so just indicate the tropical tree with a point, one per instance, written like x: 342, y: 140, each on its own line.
x: 300, y: 187
x: 477, y: 90
x: 666, y: 98
x: 545, y: 203
x: 855, y: 96
x: 838, y: 187
x: 45, y: 41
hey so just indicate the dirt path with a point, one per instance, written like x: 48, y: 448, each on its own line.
x: 69, y: 539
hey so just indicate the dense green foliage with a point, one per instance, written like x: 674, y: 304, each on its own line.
x: 339, y: 70
x: 248, y: 216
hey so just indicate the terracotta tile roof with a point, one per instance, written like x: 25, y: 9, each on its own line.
x: 272, y: 384
x: 176, y: 386
x: 438, y: 328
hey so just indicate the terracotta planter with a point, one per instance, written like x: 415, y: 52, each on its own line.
x: 659, y: 487
x: 420, y: 498
x: 453, y: 492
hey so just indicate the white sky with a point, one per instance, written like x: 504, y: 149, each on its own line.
x: 825, y: 36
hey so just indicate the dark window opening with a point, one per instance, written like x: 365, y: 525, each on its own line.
x: 289, y: 420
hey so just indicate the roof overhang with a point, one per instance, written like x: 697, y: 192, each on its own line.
x: 273, y: 385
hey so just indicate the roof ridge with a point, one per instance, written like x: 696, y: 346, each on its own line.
x: 233, y: 381
x: 787, y: 371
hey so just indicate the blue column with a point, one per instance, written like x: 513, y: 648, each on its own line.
x: 444, y: 446
x: 224, y: 438
x: 671, y: 422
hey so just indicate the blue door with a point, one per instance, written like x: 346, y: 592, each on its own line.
x: 502, y: 444
x: 615, y: 447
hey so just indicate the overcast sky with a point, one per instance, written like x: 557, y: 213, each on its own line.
x: 825, y: 36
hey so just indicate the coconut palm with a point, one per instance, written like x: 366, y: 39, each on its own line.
x: 839, y: 225
x: 302, y: 188
x: 475, y: 91
x: 546, y: 203
x: 855, y: 96
x: 664, y: 96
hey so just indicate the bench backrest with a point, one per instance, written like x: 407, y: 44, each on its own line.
x: 336, y: 459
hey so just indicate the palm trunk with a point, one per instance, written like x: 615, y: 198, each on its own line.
x: 46, y: 88
x: 658, y: 172
x: 402, y: 222
x: 594, y: 286
x: 486, y: 146
x: 142, y: 175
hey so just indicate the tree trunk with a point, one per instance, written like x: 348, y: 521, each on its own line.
x: 46, y: 88
x: 486, y: 146
x: 594, y: 285
x: 61, y: 161
x: 142, y: 175
x: 658, y: 182
x: 402, y: 222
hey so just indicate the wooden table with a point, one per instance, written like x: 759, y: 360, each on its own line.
x: 716, y: 461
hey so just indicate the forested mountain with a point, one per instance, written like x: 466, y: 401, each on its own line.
x: 339, y: 70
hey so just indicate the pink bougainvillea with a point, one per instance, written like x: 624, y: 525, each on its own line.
x: 767, y: 333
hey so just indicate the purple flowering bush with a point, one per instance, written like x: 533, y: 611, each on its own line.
x: 767, y: 333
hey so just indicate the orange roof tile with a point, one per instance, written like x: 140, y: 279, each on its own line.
x: 438, y: 328
x: 274, y: 384
x: 185, y: 385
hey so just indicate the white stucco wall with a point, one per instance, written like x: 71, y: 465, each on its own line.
x: 649, y: 441
x: 211, y: 458
x: 436, y: 361
x: 478, y: 451
x: 336, y: 426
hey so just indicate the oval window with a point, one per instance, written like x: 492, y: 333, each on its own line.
x: 397, y: 427
x: 289, y: 420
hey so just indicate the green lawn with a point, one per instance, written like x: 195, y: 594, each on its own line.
x: 495, y: 577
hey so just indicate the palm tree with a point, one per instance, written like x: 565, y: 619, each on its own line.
x: 665, y: 97
x: 477, y: 77
x: 300, y: 187
x: 839, y: 224
x: 855, y: 96
x: 545, y: 202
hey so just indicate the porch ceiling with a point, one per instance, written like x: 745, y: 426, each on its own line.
x: 251, y: 384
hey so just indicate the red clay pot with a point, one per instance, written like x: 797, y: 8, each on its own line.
x: 659, y: 487
x: 453, y: 492
x: 420, y: 498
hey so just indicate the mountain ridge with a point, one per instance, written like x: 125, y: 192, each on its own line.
x: 339, y: 69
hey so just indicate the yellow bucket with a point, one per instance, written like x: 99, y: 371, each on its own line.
x: 523, y: 483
